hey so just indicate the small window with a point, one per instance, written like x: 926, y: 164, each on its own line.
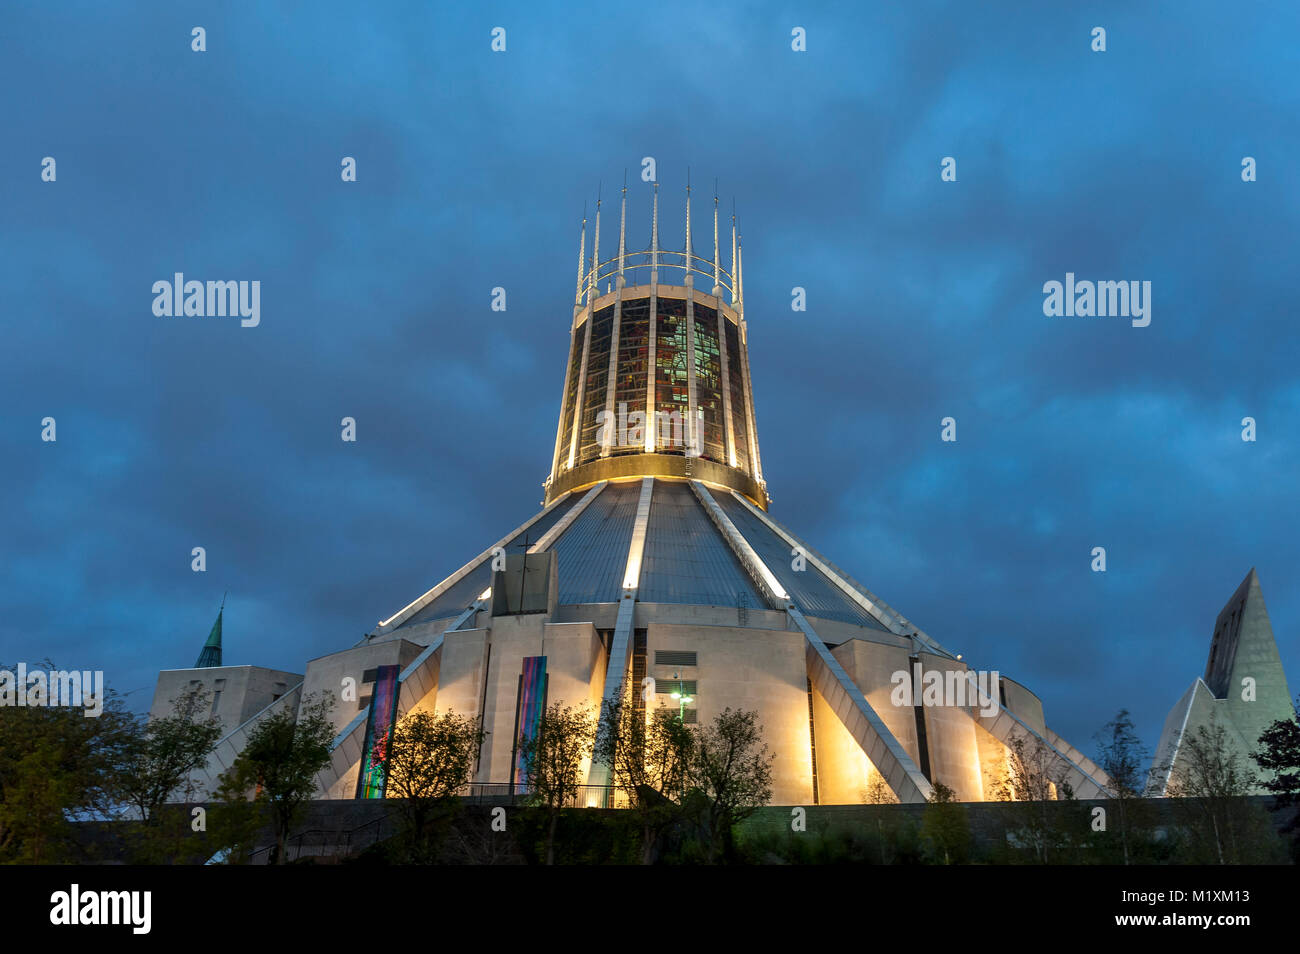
x: 362, y: 703
x: 370, y: 675
x: 673, y: 657
x: 688, y: 686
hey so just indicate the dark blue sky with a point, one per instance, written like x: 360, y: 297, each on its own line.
x: 924, y: 301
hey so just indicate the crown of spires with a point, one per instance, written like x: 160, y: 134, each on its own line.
x: 592, y: 270
x: 602, y: 373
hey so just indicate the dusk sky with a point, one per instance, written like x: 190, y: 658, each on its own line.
x: 924, y: 301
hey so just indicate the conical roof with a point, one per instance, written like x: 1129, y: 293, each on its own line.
x: 210, y: 655
x: 686, y: 559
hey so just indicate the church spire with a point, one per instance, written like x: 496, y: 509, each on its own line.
x: 717, y: 271
x: 210, y: 656
x: 689, y: 263
x: 735, y: 294
x: 622, y: 232
x: 654, y: 238
x: 740, y: 274
x: 592, y: 289
x: 582, y: 252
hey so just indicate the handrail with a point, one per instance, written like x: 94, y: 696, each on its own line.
x: 648, y: 258
x: 343, y: 839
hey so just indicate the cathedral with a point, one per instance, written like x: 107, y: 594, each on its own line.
x: 655, y: 567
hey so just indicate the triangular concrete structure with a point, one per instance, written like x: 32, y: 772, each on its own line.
x: 1244, y: 688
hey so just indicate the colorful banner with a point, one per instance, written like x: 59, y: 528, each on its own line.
x: 383, y: 713
x: 530, y: 704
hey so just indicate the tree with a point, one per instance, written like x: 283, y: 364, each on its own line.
x: 279, y: 764
x: 649, y: 755
x: 1211, y: 780
x: 1280, y: 757
x: 34, y: 822
x: 945, y: 826
x: 1035, y: 779
x: 878, y: 791
x: 732, y: 769
x: 430, y: 759
x: 162, y: 753
x: 553, y: 759
x: 1122, y: 756
x: 233, y: 827
x: 57, y: 766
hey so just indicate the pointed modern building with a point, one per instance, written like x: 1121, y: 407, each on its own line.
x: 654, y: 564
x: 1244, y: 688
x: 210, y: 655
x: 237, y: 693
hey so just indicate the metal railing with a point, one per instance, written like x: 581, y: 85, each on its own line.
x: 638, y: 265
x: 503, y: 793
x: 329, y: 843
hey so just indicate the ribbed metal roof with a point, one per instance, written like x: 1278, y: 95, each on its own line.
x: 592, y: 554
x: 686, y: 559
x: 466, y: 590
x: 811, y: 591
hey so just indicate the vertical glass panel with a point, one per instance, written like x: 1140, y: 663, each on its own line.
x: 671, y: 382
x: 633, y: 357
x: 735, y: 369
x: 571, y: 391
x: 708, y: 381
x: 597, y: 375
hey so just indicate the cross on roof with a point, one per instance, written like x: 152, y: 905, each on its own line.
x: 523, y: 579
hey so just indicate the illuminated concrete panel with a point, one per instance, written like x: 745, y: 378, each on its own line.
x: 763, y: 671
